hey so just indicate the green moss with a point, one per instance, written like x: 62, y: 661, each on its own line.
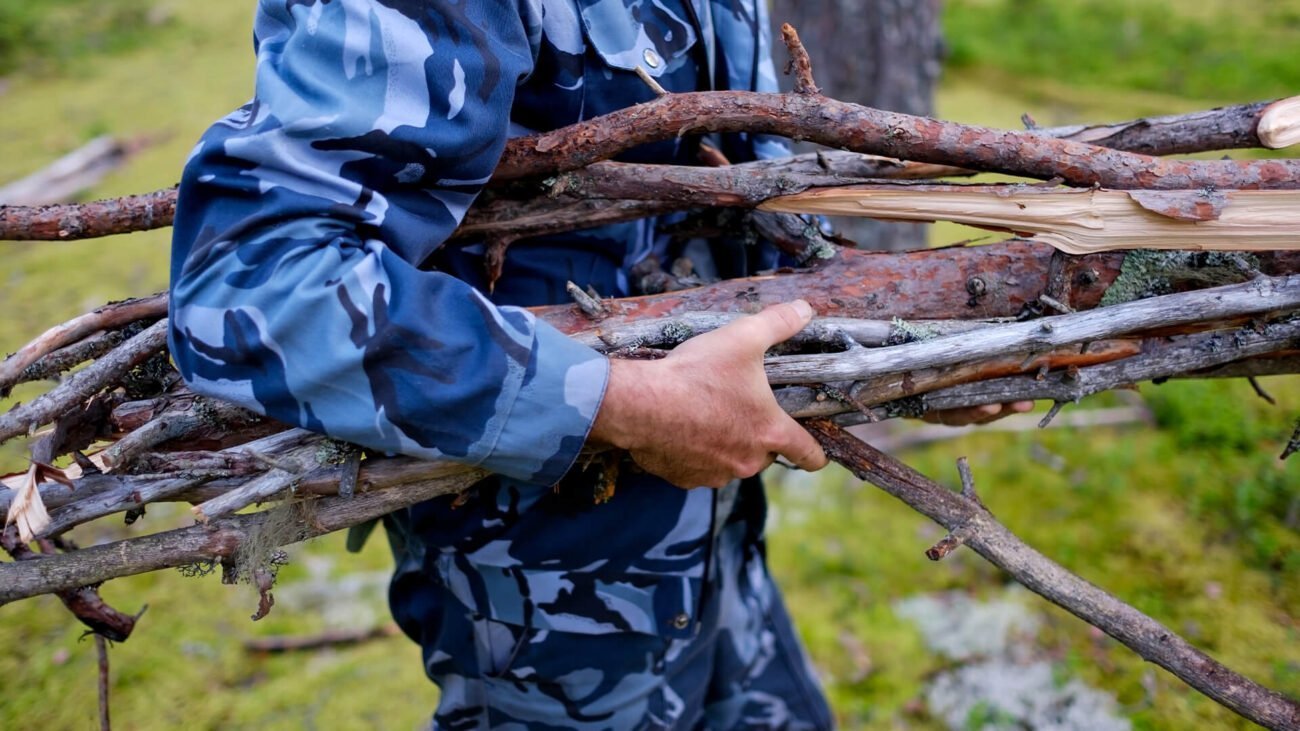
x: 1149, y: 273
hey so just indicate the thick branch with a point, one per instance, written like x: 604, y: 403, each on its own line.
x: 1078, y: 221
x: 1222, y: 128
x: 1263, y: 295
x: 862, y: 129
x: 984, y: 534
x: 1217, y: 129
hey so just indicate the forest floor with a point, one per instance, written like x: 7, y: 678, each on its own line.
x: 1193, y: 519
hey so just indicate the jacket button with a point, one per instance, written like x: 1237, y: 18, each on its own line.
x: 682, y: 621
x: 651, y: 58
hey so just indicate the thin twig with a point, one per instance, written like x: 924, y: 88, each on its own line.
x: 649, y: 81
x: 101, y: 648
x: 800, y: 63
x: 108, y: 317
x: 1260, y: 392
x: 592, y: 307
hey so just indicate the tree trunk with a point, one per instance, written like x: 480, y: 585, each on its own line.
x: 880, y: 53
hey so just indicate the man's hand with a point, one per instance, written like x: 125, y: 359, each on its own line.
x: 705, y: 415
x: 977, y: 414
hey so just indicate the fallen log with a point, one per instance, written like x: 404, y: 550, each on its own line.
x: 71, y: 174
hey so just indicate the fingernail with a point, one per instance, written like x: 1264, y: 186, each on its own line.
x: 804, y: 309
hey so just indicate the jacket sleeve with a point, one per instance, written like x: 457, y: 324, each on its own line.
x: 304, y: 216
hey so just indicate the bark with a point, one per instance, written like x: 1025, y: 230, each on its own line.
x: 110, y: 316
x: 84, y: 384
x: 221, y: 539
x: 1257, y: 297
x: 872, y: 131
x: 1224, y: 128
x: 965, y: 516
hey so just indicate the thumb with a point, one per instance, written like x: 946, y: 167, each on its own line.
x: 773, y: 325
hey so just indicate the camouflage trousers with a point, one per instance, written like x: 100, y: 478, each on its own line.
x: 743, y: 669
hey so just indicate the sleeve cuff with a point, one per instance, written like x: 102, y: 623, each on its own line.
x: 553, y: 411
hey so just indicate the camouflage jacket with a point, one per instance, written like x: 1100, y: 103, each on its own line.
x: 309, y: 280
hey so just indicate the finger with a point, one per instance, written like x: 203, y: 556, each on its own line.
x: 984, y: 414
x: 1021, y: 407
x: 773, y: 325
x: 798, y: 446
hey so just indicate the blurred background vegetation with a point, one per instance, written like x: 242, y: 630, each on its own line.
x: 1192, y: 519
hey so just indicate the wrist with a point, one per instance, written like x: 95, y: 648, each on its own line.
x: 618, y: 417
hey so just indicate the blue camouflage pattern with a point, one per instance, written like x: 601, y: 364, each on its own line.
x: 310, y: 283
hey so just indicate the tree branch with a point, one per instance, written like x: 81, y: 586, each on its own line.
x: 1217, y: 129
x: 986, y: 536
x: 220, y: 539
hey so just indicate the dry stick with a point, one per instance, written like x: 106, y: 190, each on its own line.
x: 220, y: 539
x: 824, y: 331
x: 1185, y: 355
x: 407, y: 481
x: 861, y: 129
x: 1223, y: 128
x: 101, y: 648
x: 108, y: 317
x: 1262, y: 295
x: 88, y: 220
x: 172, y: 424
x: 331, y: 638
x: 1197, y: 352
x: 65, y: 359
x: 84, y: 602
x: 84, y: 384
x: 800, y: 64
x: 1180, y: 356
x: 1218, y: 129
x: 140, y: 493
x: 986, y: 536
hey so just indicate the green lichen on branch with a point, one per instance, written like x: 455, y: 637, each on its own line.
x: 676, y: 333
x: 1151, y: 273
x: 335, y: 452
x: 902, y: 332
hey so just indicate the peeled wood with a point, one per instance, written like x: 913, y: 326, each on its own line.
x: 1079, y: 221
x: 1279, y: 126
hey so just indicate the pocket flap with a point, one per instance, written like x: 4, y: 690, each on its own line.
x: 637, y: 33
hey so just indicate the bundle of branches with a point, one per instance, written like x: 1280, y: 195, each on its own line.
x: 898, y: 334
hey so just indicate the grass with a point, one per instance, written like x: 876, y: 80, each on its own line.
x: 1187, y: 520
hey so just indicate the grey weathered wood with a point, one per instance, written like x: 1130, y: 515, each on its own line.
x: 220, y: 539
x: 83, y: 384
x: 1262, y: 295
